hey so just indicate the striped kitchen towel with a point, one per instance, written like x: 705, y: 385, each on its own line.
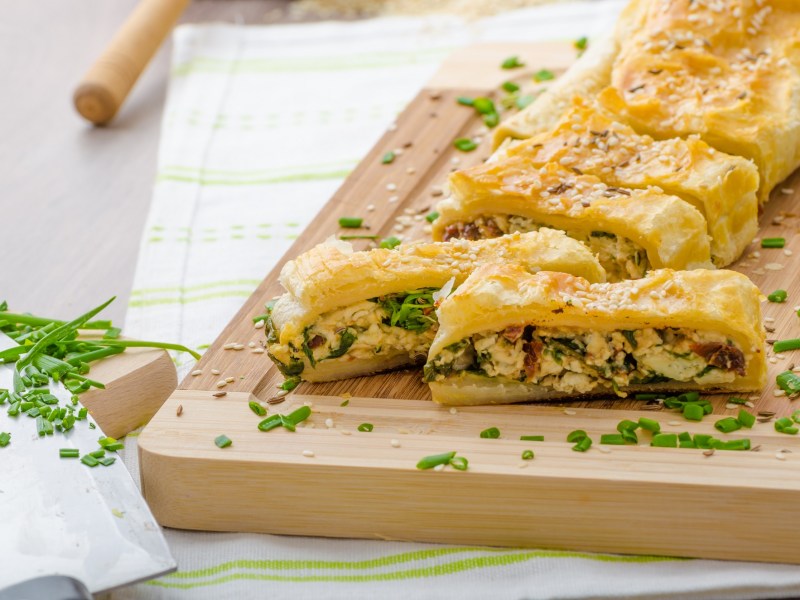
x: 261, y: 126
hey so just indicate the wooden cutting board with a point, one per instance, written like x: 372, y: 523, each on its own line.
x: 341, y: 482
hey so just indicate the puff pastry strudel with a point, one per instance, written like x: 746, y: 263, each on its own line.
x: 347, y: 314
x: 631, y: 231
x: 510, y: 336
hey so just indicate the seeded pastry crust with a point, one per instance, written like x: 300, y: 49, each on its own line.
x: 728, y: 70
x: 496, y: 297
x: 672, y: 232
x: 331, y: 276
x: 722, y: 187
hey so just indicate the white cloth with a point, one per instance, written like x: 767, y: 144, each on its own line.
x: 261, y: 126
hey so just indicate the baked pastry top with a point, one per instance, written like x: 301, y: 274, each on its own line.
x: 670, y: 231
x: 722, y: 187
x: 717, y: 311
x: 728, y: 70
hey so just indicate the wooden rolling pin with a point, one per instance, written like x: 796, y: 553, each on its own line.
x: 107, y: 83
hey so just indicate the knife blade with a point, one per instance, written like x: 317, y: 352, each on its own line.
x: 62, y: 517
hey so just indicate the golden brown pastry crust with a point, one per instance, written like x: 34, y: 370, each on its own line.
x: 331, y: 275
x: 728, y: 70
x: 722, y: 187
x: 498, y: 296
x: 671, y: 231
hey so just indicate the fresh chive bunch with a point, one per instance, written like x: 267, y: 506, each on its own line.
x: 51, y: 350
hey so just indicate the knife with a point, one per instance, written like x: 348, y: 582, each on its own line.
x: 61, y: 517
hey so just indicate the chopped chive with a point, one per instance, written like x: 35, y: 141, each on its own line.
x: 612, y: 439
x: 524, y: 101
x: 786, y: 345
x: 459, y: 463
x: 270, y: 423
x: 785, y: 425
x: 431, y: 216
x: 484, y: 106
x: 492, y: 433
x: 434, y: 460
x: 796, y: 416
x: 627, y: 425
x: 543, y: 75
x: 778, y: 296
x: 347, y: 238
x: 388, y: 158
x: 512, y: 62
x: 345, y: 403
x: 532, y: 438
x: 257, y: 408
x: 727, y: 425
x: 742, y: 444
x: 693, y: 411
x: 107, y: 461
x: 290, y: 383
x: 5, y: 439
x: 390, y: 243
x: 287, y: 423
x: 648, y: 396
x: 702, y: 440
x: 465, y: 144
x: 98, y: 453
x: 735, y: 400
x: 465, y: 101
x: 510, y: 87
x: 665, y: 440
x: 366, y: 427
x: 583, y: 445
x: 527, y: 455
x: 777, y: 242
x: 629, y: 435
x: 299, y: 415
x: 491, y: 120
x: 577, y: 435
x: 581, y: 43
x: 746, y: 418
x: 789, y: 382
x: 351, y: 222
x: 110, y: 444
x: 89, y: 460
x: 222, y: 441
x: 685, y: 437
x: 69, y: 453
x: 649, y: 425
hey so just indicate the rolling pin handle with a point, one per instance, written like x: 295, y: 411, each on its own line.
x: 107, y: 83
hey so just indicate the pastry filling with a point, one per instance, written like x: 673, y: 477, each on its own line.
x: 573, y: 361
x: 620, y: 257
x: 402, y: 323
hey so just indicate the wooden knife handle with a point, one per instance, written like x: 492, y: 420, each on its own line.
x: 107, y: 83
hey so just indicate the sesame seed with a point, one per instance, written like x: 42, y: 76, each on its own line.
x: 219, y: 394
x: 787, y: 191
x: 674, y: 423
x: 370, y: 207
x: 251, y: 345
x: 438, y: 468
x: 345, y: 432
x: 281, y: 393
x: 239, y: 347
x: 229, y: 346
x: 197, y: 372
x: 394, y: 198
x: 604, y: 449
x: 230, y: 379
x: 257, y: 351
x: 567, y: 411
x: 778, y: 393
x: 329, y: 423
x: 221, y: 384
x: 391, y: 187
x: 392, y: 127
x: 308, y: 453
x: 179, y: 410
x: 395, y: 443
x: 453, y: 410
x: 773, y: 266
x: 259, y: 324
x: 780, y: 455
x: 215, y: 371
